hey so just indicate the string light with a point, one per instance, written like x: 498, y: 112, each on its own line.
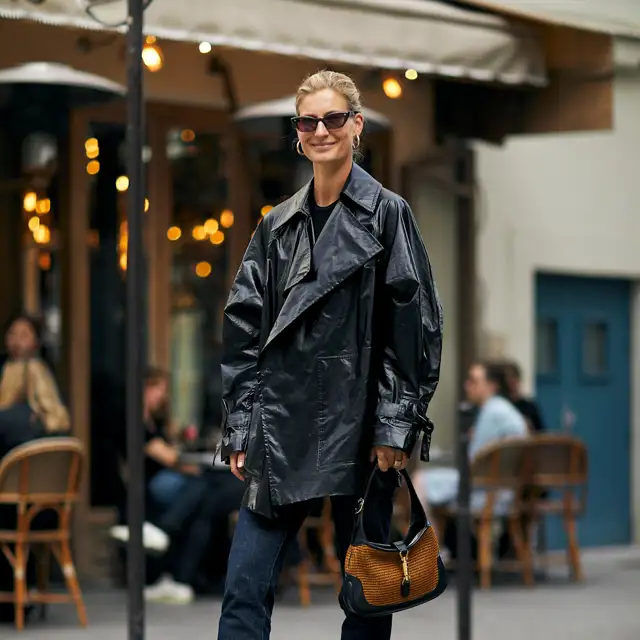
x: 211, y: 226
x: 392, y: 88
x: 203, y: 269
x: 152, y: 55
x: 43, y: 206
x: 204, y: 47
x: 217, y: 237
x: 93, y: 167
x: 411, y: 74
x: 174, y: 233
x: 122, y: 183
x: 199, y: 232
x: 30, y: 201
x: 226, y: 218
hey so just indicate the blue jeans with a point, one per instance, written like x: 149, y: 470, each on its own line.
x: 166, y: 486
x: 257, y: 555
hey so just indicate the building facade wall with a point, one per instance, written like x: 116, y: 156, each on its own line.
x: 562, y: 204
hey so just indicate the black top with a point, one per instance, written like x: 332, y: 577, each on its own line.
x: 151, y: 466
x: 320, y: 215
x: 529, y: 409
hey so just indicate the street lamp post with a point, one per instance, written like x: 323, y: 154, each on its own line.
x: 465, y: 559
x: 136, y: 333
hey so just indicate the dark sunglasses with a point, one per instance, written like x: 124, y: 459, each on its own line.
x: 308, y: 124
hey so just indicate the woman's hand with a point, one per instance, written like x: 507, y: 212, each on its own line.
x: 389, y: 458
x: 236, y: 460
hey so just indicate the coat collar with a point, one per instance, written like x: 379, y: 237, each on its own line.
x: 343, y: 247
x: 361, y: 190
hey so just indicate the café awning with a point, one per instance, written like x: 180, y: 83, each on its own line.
x: 425, y: 35
x: 614, y: 17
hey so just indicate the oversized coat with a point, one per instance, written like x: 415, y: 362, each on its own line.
x: 331, y: 345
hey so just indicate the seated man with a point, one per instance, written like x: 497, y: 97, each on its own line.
x: 526, y: 406
x: 179, y: 499
x: 496, y: 419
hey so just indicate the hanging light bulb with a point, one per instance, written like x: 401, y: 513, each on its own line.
x: 204, y: 47
x: 392, y: 88
x: 411, y: 74
x: 226, y: 218
x: 152, y: 55
x: 30, y: 201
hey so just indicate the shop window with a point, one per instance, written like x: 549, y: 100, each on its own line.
x: 547, y: 358
x: 595, y: 352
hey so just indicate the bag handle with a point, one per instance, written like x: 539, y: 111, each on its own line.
x: 419, y: 518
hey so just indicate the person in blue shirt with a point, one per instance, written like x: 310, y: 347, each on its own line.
x: 496, y: 419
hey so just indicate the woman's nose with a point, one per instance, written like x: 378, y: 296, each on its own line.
x: 321, y: 130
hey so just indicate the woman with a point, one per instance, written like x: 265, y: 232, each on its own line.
x: 30, y: 405
x: 332, y: 340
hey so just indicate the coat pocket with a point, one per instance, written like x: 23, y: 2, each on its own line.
x: 340, y: 410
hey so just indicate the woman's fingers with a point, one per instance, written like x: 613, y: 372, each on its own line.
x: 236, y: 460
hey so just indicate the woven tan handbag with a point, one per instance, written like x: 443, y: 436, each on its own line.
x: 380, y: 578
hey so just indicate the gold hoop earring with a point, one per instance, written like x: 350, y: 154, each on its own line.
x: 299, y: 148
x: 356, y: 141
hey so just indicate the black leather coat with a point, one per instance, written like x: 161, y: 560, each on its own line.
x: 330, y: 346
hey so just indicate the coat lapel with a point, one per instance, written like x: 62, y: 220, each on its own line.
x: 343, y: 247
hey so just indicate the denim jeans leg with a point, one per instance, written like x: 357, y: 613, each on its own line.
x: 255, y: 561
x: 377, y: 519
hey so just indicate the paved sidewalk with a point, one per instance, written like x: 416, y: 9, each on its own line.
x: 606, y: 607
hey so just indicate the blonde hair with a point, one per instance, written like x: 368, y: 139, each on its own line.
x: 326, y: 79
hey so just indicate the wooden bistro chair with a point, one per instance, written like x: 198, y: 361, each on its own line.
x: 329, y: 573
x: 560, y: 470
x: 39, y: 476
x: 500, y: 466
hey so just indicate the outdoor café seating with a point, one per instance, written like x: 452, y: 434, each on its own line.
x: 41, y: 476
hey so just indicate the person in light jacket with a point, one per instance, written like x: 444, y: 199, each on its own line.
x: 332, y: 341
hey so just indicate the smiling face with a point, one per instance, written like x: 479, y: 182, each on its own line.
x: 328, y: 145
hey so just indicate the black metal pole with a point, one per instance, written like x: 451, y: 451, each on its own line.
x: 465, y: 560
x: 135, y: 322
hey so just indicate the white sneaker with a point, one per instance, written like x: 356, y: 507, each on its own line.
x: 153, y: 538
x: 169, y: 591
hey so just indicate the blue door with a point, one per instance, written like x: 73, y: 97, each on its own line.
x: 583, y: 384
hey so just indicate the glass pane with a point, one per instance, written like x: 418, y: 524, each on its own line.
x: 200, y: 227
x: 547, y: 347
x: 39, y: 202
x: 594, y: 349
x: 105, y: 164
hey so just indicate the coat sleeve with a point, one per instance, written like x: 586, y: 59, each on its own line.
x: 410, y: 332
x: 241, y: 344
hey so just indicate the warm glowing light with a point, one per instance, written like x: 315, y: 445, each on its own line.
x: 152, y: 55
x: 203, y: 269
x: 199, y: 232
x: 217, y: 237
x: 266, y: 209
x: 226, y: 218
x: 43, y: 206
x: 147, y: 204
x: 42, y: 235
x: 91, y: 143
x: 92, y: 153
x: 174, y: 233
x: 204, y: 47
x: 411, y: 74
x: 123, y: 261
x: 44, y: 261
x: 93, y: 167
x: 29, y: 202
x: 211, y: 226
x: 392, y: 88
x: 34, y: 223
x: 187, y: 135
x: 122, y: 183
